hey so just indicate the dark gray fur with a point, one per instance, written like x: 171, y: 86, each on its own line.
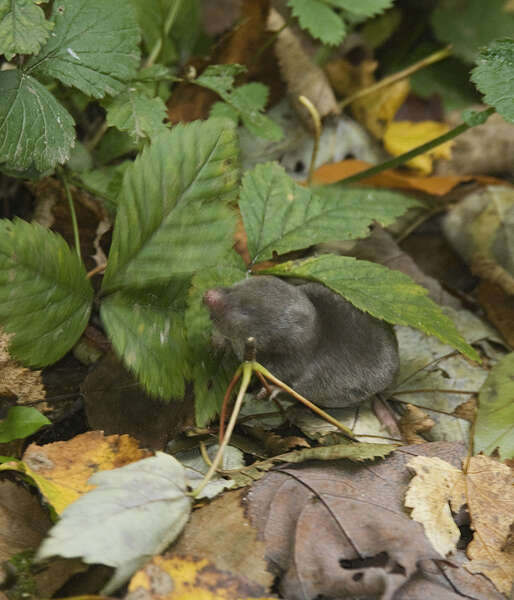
x: 309, y: 337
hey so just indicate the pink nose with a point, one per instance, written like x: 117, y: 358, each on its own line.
x: 214, y: 300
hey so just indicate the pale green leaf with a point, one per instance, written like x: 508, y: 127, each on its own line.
x: 21, y: 421
x: 36, y: 132
x: 133, y: 513
x: 45, y: 297
x: 494, y: 428
x: 355, y: 452
x: 173, y: 217
x: 280, y: 215
x: 319, y: 20
x: 247, y: 100
x: 23, y: 27
x: 222, y: 110
x: 134, y: 112
x: 94, y: 46
x: 368, y: 8
x: 146, y: 329
x: 471, y: 25
x: 212, y: 369
x: 494, y: 76
x: 382, y: 292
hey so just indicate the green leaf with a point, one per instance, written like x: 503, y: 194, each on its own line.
x: 280, y: 215
x: 474, y: 118
x: 146, y: 328
x: 471, y: 25
x: 382, y: 292
x: 21, y: 421
x: 248, y: 100
x: 357, y: 452
x: 494, y: 427
x: 222, y: 110
x: 319, y: 20
x: 173, y: 217
x: 494, y: 76
x: 135, y: 112
x: 94, y: 46
x: 368, y: 8
x: 212, y: 370
x: 36, y: 132
x: 23, y: 27
x: 106, y: 183
x: 45, y: 297
x: 115, y: 143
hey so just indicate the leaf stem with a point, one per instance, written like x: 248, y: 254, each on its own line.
x: 403, y: 158
x: 170, y: 19
x: 317, y: 133
x: 247, y: 368
x: 424, y: 62
x: 74, y: 223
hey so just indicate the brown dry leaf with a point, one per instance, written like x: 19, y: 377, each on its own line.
x: 274, y: 443
x: 402, y: 136
x: 221, y: 533
x: 15, y: 380
x: 302, y: 76
x: 499, y: 308
x: 61, y: 470
x: 466, y: 410
x: 339, y: 529
x: 414, y: 421
x: 172, y: 577
x: 487, y: 490
x: 436, y: 185
x: 347, y: 78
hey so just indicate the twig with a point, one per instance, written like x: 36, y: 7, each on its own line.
x: 317, y: 133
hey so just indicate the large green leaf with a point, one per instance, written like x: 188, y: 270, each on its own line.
x: 135, y: 112
x: 94, y: 46
x: 494, y: 76
x: 23, y: 27
x: 146, y: 328
x: 36, y: 132
x: 280, y: 215
x: 471, y: 24
x: 21, y: 421
x: 247, y: 100
x: 319, y: 20
x: 382, y: 292
x: 173, y: 216
x: 494, y: 428
x: 368, y: 8
x: 45, y: 297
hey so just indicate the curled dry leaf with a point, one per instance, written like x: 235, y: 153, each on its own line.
x: 414, y: 421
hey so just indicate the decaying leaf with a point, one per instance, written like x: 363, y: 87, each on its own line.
x: 486, y: 489
x: 413, y: 422
x: 61, y: 470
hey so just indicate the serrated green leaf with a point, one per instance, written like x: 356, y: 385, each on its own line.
x: 133, y: 111
x: 471, y: 25
x: 319, y: 20
x: 247, y: 100
x: 212, y: 370
x: 173, y: 217
x: 368, y: 8
x: 21, y: 421
x: 106, y: 183
x: 146, y: 328
x: 280, y: 215
x: 353, y: 451
x: 494, y: 76
x: 36, y: 132
x: 382, y: 292
x: 23, y: 27
x: 222, y: 110
x: 45, y: 297
x: 94, y: 46
x: 494, y: 427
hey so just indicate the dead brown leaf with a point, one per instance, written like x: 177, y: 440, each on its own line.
x: 414, y: 421
x: 466, y: 410
x: 499, y: 307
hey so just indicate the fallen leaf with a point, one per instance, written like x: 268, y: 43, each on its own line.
x: 466, y: 410
x: 499, y: 308
x: 339, y: 529
x: 61, y: 470
x: 402, y: 136
x: 486, y: 489
x: 221, y: 532
x: 435, y: 185
x: 172, y: 577
x: 414, y: 421
x: 133, y: 513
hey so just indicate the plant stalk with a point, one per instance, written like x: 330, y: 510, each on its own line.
x: 316, y: 120
x: 74, y: 223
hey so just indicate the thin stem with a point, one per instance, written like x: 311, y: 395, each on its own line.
x: 97, y: 269
x: 316, y: 120
x: 316, y: 409
x: 428, y: 60
x: 403, y: 158
x: 156, y: 50
x: 74, y: 223
x: 247, y: 375
x: 226, y: 399
x: 93, y: 142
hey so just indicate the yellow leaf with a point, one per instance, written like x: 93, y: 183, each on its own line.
x: 402, y: 136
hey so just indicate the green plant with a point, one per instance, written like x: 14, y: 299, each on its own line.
x: 174, y: 205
